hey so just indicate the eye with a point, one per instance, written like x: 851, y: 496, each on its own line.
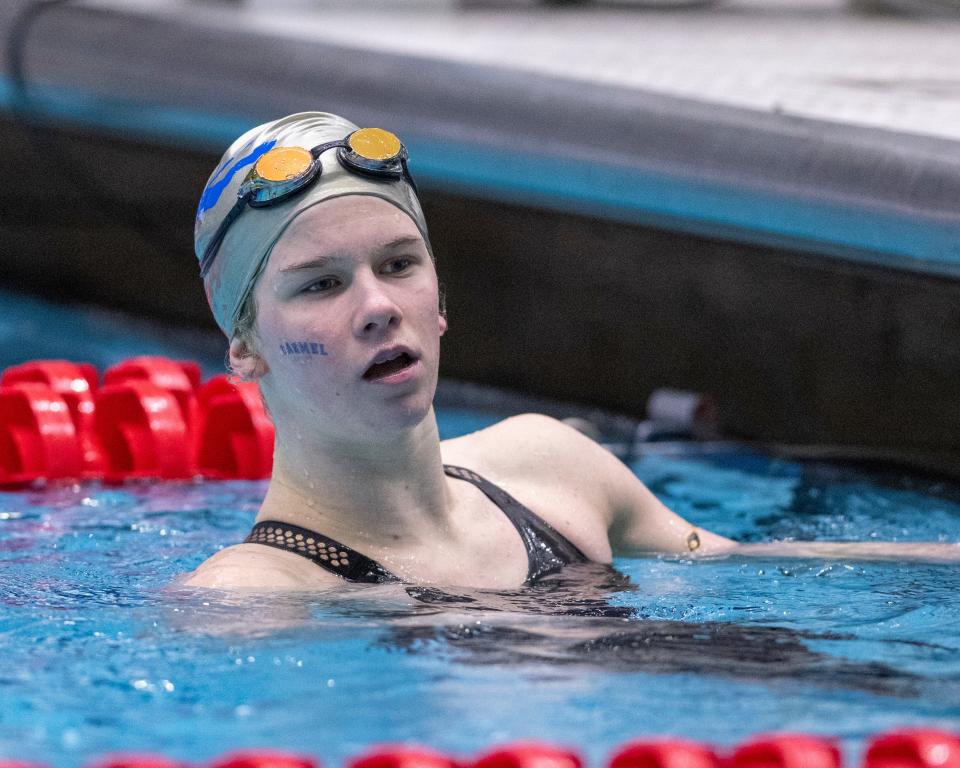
x: 397, y: 265
x: 322, y: 285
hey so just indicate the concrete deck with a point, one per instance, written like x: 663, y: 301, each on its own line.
x: 819, y: 59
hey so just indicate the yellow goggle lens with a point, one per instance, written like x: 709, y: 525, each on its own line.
x: 283, y: 163
x: 374, y: 144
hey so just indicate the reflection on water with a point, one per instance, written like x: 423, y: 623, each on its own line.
x: 568, y: 619
x: 565, y: 621
x: 103, y: 653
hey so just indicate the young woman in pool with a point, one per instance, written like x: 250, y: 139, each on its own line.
x: 317, y: 266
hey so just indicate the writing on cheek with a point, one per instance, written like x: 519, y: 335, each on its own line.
x: 302, y: 348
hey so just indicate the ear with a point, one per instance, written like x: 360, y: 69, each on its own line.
x: 442, y: 319
x: 244, y: 361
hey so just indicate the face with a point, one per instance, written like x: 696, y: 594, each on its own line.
x: 348, y: 322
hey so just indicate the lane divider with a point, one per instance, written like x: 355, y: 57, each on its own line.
x: 135, y: 760
x: 665, y: 753
x: 153, y: 417
x: 528, y: 755
x: 387, y: 756
x: 901, y: 748
x: 263, y: 758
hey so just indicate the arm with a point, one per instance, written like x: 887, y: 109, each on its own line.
x: 611, y: 502
x: 916, y: 551
x: 643, y: 525
x: 638, y: 523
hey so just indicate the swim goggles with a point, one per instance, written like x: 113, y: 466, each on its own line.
x: 283, y: 172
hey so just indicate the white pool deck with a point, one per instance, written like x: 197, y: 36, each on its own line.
x: 820, y: 59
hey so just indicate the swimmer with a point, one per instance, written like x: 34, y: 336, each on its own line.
x: 317, y: 265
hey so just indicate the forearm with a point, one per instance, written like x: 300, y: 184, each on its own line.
x: 933, y: 552
x: 641, y: 525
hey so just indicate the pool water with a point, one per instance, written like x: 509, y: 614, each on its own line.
x: 103, y: 652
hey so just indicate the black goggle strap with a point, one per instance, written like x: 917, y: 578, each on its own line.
x: 321, y: 148
x: 407, y: 176
x: 210, y: 253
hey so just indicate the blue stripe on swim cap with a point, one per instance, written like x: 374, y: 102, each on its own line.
x: 213, y: 190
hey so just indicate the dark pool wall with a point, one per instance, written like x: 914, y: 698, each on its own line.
x: 100, y: 220
x: 793, y: 346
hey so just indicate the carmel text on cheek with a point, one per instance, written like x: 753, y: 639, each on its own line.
x: 302, y: 348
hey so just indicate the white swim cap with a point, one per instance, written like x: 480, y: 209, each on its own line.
x: 248, y: 241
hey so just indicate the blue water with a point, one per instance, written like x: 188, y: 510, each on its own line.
x: 100, y: 653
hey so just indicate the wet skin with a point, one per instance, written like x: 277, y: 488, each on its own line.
x: 355, y: 273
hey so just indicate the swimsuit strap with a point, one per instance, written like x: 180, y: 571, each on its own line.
x: 328, y: 553
x: 548, y: 550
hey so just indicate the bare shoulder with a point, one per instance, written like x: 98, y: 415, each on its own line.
x: 564, y: 476
x: 526, y: 428
x: 533, y: 446
x: 581, y: 487
x: 254, y: 566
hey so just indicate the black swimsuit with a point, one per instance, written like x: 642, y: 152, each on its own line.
x: 547, y: 550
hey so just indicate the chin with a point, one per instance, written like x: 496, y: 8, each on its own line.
x: 402, y: 413
x: 408, y: 414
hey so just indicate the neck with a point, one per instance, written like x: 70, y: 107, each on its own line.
x: 390, y: 492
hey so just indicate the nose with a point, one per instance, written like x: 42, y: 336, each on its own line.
x: 376, y: 310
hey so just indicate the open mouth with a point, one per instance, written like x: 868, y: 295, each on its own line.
x: 389, y: 367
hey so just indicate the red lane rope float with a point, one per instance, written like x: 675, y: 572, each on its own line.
x: 136, y: 760
x: 179, y: 378
x: 786, y: 751
x: 151, y: 419
x: 264, y: 758
x: 142, y: 431
x: 529, y: 755
x: 906, y: 748
x: 664, y: 753
x: 914, y: 748
x: 388, y: 756
x: 234, y: 437
x: 38, y: 438
x: 76, y: 383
